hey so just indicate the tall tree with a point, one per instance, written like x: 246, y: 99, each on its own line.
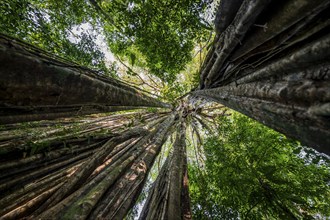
x: 77, y: 172
x: 36, y: 85
x: 168, y: 198
x: 271, y: 63
x: 269, y: 60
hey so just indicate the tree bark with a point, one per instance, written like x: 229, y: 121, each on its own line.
x: 169, y: 196
x: 275, y: 68
x: 33, y: 185
x: 232, y: 36
x: 36, y: 85
x: 113, y: 184
x: 285, y: 97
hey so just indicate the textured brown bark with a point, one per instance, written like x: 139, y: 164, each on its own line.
x: 185, y: 198
x: 54, y: 134
x: 55, y: 177
x: 232, y: 36
x: 85, y: 171
x: 291, y: 17
x: 19, y: 114
x: 226, y: 13
x: 24, y: 210
x: 175, y: 202
x: 169, y: 196
x: 33, y: 82
x: 109, y: 191
x: 279, y: 73
x: 126, y: 190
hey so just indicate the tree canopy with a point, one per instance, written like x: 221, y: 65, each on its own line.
x: 126, y: 109
x: 253, y: 172
x: 155, y: 35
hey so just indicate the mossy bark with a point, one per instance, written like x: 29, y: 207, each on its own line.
x: 107, y: 185
x: 73, y: 170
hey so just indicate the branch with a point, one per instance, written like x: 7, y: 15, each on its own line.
x: 152, y: 80
x: 135, y: 73
x: 208, y: 40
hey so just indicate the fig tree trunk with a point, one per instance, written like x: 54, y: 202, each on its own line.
x: 271, y: 63
x: 35, y: 85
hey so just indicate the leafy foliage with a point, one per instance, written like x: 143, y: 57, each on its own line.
x: 156, y: 35
x: 162, y: 31
x: 252, y: 172
x: 49, y: 25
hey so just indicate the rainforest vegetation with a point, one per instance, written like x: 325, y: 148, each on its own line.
x: 161, y: 109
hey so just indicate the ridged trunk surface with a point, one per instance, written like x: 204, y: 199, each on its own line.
x: 272, y: 64
x: 169, y: 196
x: 35, y: 85
x: 80, y: 175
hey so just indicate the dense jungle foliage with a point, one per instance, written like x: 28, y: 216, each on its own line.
x: 238, y: 168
